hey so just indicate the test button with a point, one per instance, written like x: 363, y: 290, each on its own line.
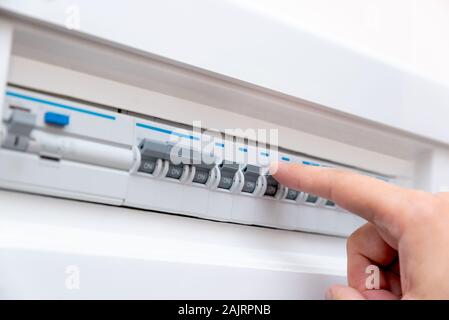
x: 56, y: 119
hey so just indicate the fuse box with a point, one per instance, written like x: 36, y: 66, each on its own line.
x: 159, y: 124
x: 73, y: 149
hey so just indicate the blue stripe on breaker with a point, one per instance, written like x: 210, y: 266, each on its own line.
x: 167, y: 131
x: 59, y: 105
x: 309, y: 163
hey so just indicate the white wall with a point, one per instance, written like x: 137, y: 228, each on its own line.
x: 413, y: 34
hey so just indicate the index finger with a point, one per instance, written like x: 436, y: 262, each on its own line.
x: 374, y: 200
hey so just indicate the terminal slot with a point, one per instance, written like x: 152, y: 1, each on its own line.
x: 292, y: 195
x: 311, y: 199
x: 330, y: 204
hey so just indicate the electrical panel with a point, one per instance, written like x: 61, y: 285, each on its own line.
x: 68, y: 148
x: 121, y: 119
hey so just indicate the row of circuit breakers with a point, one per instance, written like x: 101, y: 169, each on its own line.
x: 66, y: 148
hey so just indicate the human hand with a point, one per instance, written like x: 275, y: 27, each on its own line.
x: 407, y: 234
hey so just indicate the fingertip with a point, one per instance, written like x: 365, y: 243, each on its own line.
x: 279, y: 169
x: 285, y: 173
x: 274, y: 168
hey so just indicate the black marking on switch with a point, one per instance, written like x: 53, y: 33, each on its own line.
x: 49, y: 158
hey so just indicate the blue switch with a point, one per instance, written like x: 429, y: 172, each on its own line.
x: 56, y: 119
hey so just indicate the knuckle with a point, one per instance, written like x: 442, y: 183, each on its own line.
x: 423, y: 207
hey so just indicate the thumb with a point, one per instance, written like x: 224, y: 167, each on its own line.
x: 339, y: 292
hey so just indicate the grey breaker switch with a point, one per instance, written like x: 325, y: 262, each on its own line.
x: 228, y: 171
x: 19, y: 125
x: 202, y: 171
x: 175, y: 171
x: 251, y: 174
x: 272, y: 186
x: 151, y: 151
x: 148, y: 165
x: 312, y: 199
x: 160, y: 150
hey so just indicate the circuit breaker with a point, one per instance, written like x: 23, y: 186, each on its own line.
x: 63, y: 147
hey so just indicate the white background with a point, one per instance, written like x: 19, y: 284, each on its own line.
x: 412, y: 34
